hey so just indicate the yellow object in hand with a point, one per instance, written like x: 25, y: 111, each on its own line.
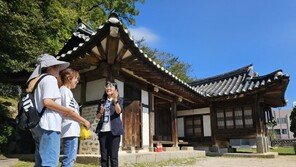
x: 84, y: 133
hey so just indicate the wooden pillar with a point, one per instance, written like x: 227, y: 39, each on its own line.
x: 213, y: 127
x: 83, y: 89
x: 83, y: 83
x: 259, y: 123
x: 151, y: 119
x: 109, y: 73
x: 174, y: 123
x: 106, y: 70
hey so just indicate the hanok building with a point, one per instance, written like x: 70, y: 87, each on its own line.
x: 158, y: 106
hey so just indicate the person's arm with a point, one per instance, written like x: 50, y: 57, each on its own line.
x: 117, y: 105
x: 101, y: 112
x: 50, y: 104
x: 117, y: 102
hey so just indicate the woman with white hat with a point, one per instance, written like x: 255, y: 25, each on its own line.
x: 47, y: 94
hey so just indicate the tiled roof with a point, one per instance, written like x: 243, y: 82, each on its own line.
x: 84, y: 36
x: 235, y: 82
x: 84, y: 33
x: 241, y: 81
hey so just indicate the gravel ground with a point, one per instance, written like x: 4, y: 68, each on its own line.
x: 280, y: 161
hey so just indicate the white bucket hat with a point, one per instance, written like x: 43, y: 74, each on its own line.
x: 46, y: 60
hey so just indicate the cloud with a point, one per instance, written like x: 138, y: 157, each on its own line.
x: 142, y: 32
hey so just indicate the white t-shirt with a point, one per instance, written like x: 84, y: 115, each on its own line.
x: 70, y: 128
x: 48, y: 89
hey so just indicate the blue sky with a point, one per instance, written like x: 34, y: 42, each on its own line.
x: 217, y: 36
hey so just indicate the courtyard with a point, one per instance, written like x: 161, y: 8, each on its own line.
x: 282, y: 160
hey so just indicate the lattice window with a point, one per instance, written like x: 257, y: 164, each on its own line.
x: 229, y: 118
x: 197, y: 126
x: 248, y: 115
x: 189, y: 127
x: 220, y: 119
x: 238, y: 115
x: 193, y: 126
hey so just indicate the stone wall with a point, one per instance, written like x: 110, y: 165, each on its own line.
x: 90, y: 146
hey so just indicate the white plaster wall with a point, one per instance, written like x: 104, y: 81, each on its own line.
x: 194, y: 111
x: 77, y: 93
x: 145, y: 97
x: 145, y: 119
x: 95, y: 89
x: 207, y: 125
x: 181, y: 127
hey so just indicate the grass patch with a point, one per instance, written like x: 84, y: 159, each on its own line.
x: 280, y: 150
x: 171, y: 162
x: 31, y: 164
x: 283, y: 150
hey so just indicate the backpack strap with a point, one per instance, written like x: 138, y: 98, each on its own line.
x: 35, y: 86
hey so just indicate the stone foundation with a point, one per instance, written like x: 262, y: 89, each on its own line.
x: 262, y: 144
x: 90, y: 146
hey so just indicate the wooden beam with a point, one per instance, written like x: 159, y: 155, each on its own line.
x: 127, y: 61
x: 121, y: 53
x: 101, y: 51
x: 94, y: 53
x: 112, y: 47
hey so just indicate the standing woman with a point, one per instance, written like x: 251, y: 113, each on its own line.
x: 110, y: 126
x: 70, y: 128
x: 47, y: 96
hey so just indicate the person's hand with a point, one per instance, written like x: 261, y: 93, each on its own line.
x: 115, y: 96
x: 101, y: 111
x: 86, y: 124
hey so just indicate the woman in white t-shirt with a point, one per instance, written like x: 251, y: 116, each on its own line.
x: 70, y: 128
x: 47, y: 95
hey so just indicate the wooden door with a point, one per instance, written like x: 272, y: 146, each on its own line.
x: 132, y: 125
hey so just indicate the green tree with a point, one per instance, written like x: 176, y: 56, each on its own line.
x: 270, y: 131
x: 31, y: 27
x: 293, y: 121
x: 6, y: 129
x: 169, y: 61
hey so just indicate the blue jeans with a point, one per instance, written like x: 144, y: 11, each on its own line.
x: 70, y: 145
x: 47, y: 147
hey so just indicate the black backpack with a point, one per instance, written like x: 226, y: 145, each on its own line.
x: 28, y: 116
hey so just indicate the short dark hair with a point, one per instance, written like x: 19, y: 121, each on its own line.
x: 112, y: 83
x: 105, y: 96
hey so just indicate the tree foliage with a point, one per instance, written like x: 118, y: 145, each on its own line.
x: 31, y: 27
x: 6, y: 129
x: 169, y: 61
x: 293, y: 121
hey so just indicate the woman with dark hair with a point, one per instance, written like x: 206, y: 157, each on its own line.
x: 110, y: 126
